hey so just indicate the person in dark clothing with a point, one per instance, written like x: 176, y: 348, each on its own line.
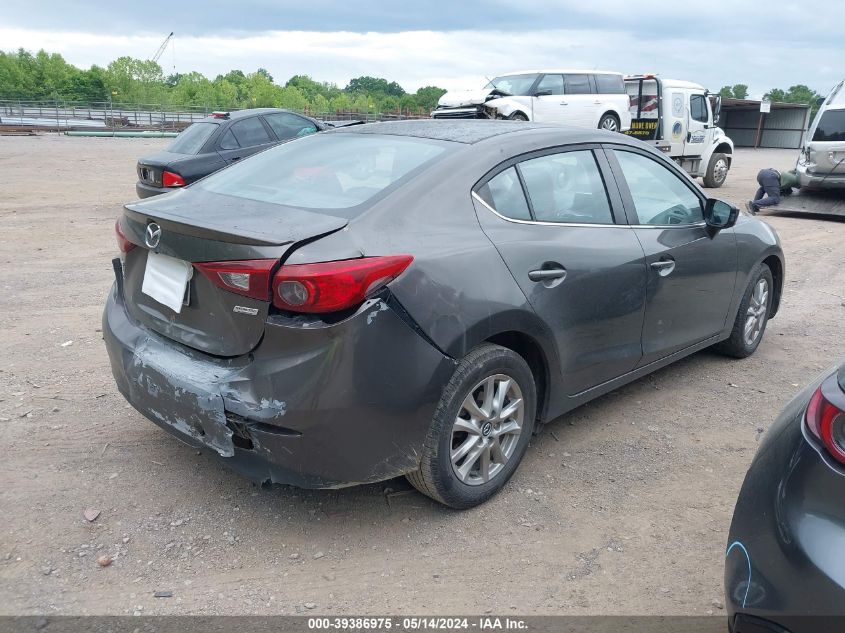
x: 773, y: 185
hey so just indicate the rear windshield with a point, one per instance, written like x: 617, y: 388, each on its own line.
x: 326, y: 171
x: 191, y: 140
x: 831, y: 126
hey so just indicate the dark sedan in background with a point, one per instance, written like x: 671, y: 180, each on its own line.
x: 414, y: 297
x: 785, y: 565
x: 219, y: 140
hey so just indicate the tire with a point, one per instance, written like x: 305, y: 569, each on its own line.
x: 738, y: 344
x: 518, y: 116
x: 717, y: 171
x: 609, y: 122
x: 483, y: 371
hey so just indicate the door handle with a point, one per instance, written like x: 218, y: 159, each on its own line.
x: 596, y: 102
x: 233, y: 158
x: 564, y: 103
x: 545, y: 274
x: 663, y: 267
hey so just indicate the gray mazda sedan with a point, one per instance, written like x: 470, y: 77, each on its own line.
x: 416, y: 298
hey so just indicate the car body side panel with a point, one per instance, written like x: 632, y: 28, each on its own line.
x: 786, y: 545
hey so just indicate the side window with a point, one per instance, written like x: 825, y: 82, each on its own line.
x: 566, y: 187
x: 698, y: 108
x: 504, y: 193
x: 660, y: 196
x: 250, y: 132
x: 551, y: 82
x: 286, y: 125
x: 228, y: 141
x: 610, y: 84
x: 578, y: 85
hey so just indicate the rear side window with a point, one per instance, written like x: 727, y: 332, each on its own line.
x: 504, y: 193
x: 228, y: 141
x: 566, y: 188
x: 578, y: 84
x: 610, y: 84
x: 326, y: 171
x: 191, y: 140
x: 698, y: 108
x: 286, y: 125
x: 250, y: 132
x: 831, y: 126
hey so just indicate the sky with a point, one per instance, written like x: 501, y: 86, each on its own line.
x: 454, y: 44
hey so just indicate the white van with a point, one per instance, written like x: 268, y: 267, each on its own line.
x: 584, y: 98
x: 821, y: 164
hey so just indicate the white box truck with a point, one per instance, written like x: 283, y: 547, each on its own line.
x: 677, y: 117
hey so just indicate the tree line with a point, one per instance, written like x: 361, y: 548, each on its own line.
x: 47, y: 76
x: 794, y: 94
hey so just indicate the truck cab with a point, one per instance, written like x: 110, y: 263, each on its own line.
x: 678, y: 118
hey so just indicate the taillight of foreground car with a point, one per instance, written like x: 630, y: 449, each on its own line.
x: 250, y: 278
x: 122, y: 243
x: 334, y: 286
x: 310, y: 288
x: 169, y: 179
x: 827, y: 422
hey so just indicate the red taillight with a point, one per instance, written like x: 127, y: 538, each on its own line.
x: 333, y: 286
x: 122, y: 243
x: 169, y: 179
x: 250, y: 278
x: 827, y: 422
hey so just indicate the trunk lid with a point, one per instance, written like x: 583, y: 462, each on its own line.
x: 200, y: 226
x: 149, y: 168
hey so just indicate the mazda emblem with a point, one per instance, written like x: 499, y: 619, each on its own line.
x: 152, y: 236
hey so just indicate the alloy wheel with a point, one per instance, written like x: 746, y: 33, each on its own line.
x: 609, y: 123
x: 486, y: 430
x: 755, y: 317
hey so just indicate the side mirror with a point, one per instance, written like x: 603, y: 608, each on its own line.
x: 719, y: 214
x: 717, y: 109
x: 543, y: 93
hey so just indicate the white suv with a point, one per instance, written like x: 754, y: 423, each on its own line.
x: 584, y: 98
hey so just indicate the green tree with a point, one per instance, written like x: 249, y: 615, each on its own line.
x: 428, y: 97
x: 740, y: 91
x: 372, y: 85
x: 726, y: 92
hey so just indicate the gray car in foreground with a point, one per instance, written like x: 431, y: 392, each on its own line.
x: 416, y: 298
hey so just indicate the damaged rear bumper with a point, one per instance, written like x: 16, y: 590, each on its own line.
x: 314, y: 405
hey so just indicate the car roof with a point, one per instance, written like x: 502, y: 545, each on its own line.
x: 241, y: 114
x: 561, y: 71
x: 471, y: 131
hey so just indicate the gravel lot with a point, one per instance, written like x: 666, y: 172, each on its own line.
x: 621, y: 507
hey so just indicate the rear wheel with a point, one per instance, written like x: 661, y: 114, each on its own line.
x: 609, y: 122
x: 518, y: 116
x: 752, y: 317
x: 717, y: 171
x: 480, y: 430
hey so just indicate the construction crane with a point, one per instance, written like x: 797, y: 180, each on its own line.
x: 161, y: 48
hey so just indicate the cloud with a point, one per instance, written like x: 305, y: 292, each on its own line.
x: 462, y: 58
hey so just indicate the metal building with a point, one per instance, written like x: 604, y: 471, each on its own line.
x: 784, y: 126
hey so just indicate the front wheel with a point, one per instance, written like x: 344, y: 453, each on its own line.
x: 752, y: 317
x: 481, y: 428
x: 609, y: 122
x: 717, y: 171
x: 518, y: 116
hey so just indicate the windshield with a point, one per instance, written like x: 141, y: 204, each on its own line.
x: 326, y: 171
x: 191, y: 140
x: 831, y: 126
x: 513, y: 84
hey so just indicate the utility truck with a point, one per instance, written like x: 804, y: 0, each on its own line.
x: 678, y: 117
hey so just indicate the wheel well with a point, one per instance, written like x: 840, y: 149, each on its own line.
x: 725, y: 149
x: 532, y: 353
x: 776, y: 267
x: 611, y: 113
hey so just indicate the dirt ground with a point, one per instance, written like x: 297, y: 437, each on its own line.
x: 621, y: 507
